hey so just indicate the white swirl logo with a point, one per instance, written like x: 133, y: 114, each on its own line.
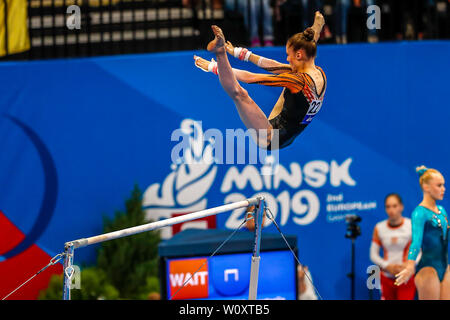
x: 184, y: 189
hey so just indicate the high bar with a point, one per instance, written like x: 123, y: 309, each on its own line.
x: 83, y: 242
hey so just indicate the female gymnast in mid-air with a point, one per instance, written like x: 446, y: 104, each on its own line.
x: 304, y: 85
x: 430, y: 231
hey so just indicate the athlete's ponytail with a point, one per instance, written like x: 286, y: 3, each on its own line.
x: 304, y: 40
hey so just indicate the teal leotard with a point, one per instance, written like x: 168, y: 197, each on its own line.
x: 430, y: 233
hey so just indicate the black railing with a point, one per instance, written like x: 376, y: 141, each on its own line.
x: 111, y: 27
x: 116, y: 27
x: 429, y: 19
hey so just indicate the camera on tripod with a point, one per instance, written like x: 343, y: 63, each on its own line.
x: 353, y: 229
x: 352, y: 232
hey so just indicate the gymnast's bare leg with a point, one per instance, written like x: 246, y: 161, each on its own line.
x: 251, y: 115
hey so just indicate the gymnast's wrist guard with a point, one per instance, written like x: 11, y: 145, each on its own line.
x: 242, y: 54
x: 212, y: 67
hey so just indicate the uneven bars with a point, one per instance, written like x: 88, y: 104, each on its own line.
x: 83, y: 242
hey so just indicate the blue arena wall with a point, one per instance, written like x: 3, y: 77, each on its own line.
x: 77, y: 134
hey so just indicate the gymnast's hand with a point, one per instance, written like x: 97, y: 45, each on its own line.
x: 230, y: 48
x: 201, y: 63
x: 319, y: 19
x: 404, y: 275
x: 205, y: 65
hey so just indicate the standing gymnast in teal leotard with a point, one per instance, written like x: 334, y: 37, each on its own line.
x: 430, y: 232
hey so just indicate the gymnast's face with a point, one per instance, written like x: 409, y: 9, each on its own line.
x: 394, y: 208
x: 435, y: 186
x: 293, y: 57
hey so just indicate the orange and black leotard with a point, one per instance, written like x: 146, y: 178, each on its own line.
x: 301, y: 103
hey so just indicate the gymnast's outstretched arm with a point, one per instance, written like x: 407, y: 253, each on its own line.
x: 272, y: 65
x: 241, y: 75
x: 211, y: 66
x: 280, y: 80
x: 319, y: 22
x: 267, y: 64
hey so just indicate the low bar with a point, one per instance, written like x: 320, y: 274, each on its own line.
x: 162, y: 223
x: 70, y: 246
